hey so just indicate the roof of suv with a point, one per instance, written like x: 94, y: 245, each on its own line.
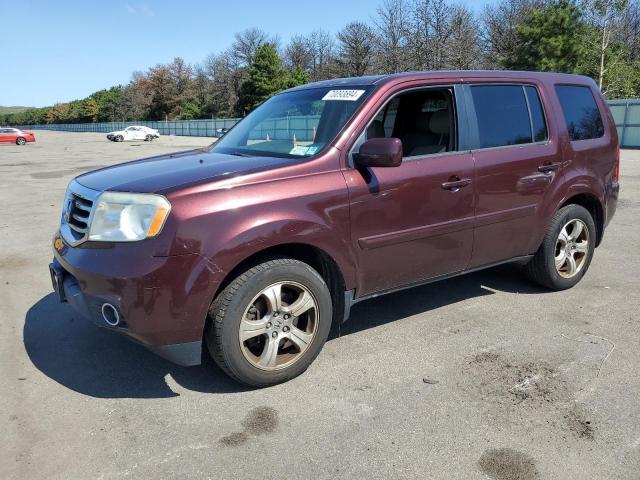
x: 445, y: 74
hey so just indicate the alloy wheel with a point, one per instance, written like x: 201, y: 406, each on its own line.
x: 278, y: 326
x: 572, y: 248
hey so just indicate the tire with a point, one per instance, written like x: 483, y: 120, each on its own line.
x: 20, y: 141
x: 243, y: 308
x: 148, y: 138
x: 560, y: 244
x: 119, y: 138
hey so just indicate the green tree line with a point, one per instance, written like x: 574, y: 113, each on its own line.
x: 598, y: 38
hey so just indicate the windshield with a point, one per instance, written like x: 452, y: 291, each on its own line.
x: 294, y: 124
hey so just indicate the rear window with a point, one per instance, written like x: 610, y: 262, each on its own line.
x: 580, y: 112
x: 507, y: 115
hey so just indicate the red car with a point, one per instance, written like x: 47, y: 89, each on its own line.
x: 15, y: 135
x: 258, y: 244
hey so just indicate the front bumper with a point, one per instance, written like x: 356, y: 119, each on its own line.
x: 162, y: 302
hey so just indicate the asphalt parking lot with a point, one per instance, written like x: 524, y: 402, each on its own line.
x: 481, y: 377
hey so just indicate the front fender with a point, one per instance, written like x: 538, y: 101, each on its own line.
x: 258, y: 238
x: 223, y: 257
x: 225, y: 226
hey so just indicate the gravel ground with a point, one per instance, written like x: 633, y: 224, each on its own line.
x: 481, y: 377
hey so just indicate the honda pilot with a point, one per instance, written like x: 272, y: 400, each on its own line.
x: 332, y: 193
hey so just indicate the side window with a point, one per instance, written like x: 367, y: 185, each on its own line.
x: 382, y: 124
x: 424, y: 120
x: 580, y: 112
x: 538, y: 124
x: 502, y: 115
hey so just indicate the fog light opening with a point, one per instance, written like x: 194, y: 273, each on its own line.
x: 110, y: 314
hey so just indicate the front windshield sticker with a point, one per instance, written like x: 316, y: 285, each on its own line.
x: 299, y: 150
x: 312, y: 150
x: 344, y: 95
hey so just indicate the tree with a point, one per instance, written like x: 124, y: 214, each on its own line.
x: 299, y: 53
x: 324, y: 53
x: 463, y: 44
x: 611, y: 37
x: 391, y: 36
x: 549, y: 39
x: 296, y: 77
x: 225, y: 78
x: 266, y: 77
x: 430, y: 30
x: 355, y: 46
x: 602, y: 17
x: 109, y: 104
x: 499, y: 24
x: 137, y: 98
x: 247, y: 43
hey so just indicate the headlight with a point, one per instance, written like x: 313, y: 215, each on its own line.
x: 127, y: 217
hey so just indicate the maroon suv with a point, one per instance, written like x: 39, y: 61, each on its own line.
x: 329, y: 194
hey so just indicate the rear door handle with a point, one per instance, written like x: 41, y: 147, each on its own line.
x: 549, y: 167
x: 454, y: 184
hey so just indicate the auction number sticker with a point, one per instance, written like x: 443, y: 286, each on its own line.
x: 344, y: 95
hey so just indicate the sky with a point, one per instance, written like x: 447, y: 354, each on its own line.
x: 65, y: 50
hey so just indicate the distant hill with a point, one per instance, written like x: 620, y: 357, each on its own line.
x: 12, y: 109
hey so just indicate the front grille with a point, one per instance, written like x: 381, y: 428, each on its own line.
x: 77, y: 215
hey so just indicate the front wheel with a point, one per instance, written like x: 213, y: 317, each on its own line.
x: 566, y: 251
x: 269, y: 324
x: 20, y: 141
x: 119, y: 138
x: 148, y: 138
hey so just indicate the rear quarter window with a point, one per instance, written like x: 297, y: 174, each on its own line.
x: 580, y: 112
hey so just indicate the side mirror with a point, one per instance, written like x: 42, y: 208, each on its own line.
x: 379, y: 152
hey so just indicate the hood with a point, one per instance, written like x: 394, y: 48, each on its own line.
x: 117, y: 132
x: 166, y: 172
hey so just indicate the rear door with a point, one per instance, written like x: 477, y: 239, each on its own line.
x: 130, y: 133
x: 516, y: 164
x: 407, y: 223
x: 4, y: 136
x: 140, y: 133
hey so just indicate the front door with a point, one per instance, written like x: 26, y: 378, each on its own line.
x: 413, y: 222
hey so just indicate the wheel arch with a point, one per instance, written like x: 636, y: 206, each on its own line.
x: 316, y: 257
x: 591, y: 203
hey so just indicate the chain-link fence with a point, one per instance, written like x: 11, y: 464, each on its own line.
x: 190, y: 128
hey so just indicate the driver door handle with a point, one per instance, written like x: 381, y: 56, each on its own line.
x: 456, y: 183
x: 549, y: 167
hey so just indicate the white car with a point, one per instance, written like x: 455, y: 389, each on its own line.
x: 134, y: 133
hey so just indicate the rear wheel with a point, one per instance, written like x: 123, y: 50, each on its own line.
x: 566, y: 252
x: 20, y: 141
x: 269, y: 324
